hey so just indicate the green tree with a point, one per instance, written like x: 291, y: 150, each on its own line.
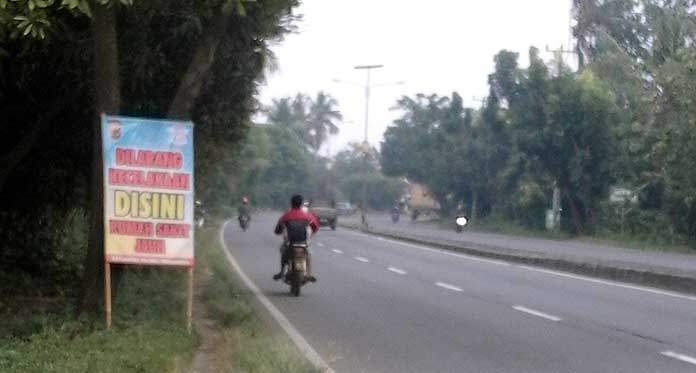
x: 207, y: 55
x: 323, y: 118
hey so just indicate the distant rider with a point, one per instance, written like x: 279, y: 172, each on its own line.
x: 396, y: 210
x: 243, y: 209
x: 294, y: 225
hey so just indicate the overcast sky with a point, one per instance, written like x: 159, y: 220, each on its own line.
x: 434, y: 46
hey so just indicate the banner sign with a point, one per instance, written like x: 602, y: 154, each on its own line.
x: 148, y: 191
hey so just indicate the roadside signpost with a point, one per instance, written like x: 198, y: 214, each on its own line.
x: 623, y: 200
x: 148, y: 196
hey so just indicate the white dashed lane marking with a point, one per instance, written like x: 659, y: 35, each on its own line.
x: 396, y: 270
x: 337, y: 251
x: 536, y: 313
x: 540, y: 270
x: 361, y: 259
x: 448, y: 286
x: 684, y: 358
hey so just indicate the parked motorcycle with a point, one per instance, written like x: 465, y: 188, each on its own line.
x: 295, y: 276
x: 460, y: 222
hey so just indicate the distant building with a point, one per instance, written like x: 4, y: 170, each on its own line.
x: 418, y: 196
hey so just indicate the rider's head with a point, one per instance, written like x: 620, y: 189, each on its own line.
x: 296, y: 201
x: 245, y: 200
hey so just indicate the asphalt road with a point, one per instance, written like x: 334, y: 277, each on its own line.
x: 580, y: 250
x: 385, y: 306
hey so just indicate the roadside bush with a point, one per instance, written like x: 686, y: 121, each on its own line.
x: 530, y: 204
x: 42, y: 253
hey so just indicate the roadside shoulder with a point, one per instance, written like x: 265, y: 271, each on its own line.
x: 637, y: 273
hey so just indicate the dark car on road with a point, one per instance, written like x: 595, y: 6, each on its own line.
x: 326, y: 215
x: 345, y: 208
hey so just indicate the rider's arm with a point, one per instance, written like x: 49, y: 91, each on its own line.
x: 279, y: 227
x: 313, y: 223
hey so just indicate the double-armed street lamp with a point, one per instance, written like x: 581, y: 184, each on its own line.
x: 366, y: 145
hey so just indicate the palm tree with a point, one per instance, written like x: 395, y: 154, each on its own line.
x: 280, y: 113
x: 323, y: 115
x: 301, y: 105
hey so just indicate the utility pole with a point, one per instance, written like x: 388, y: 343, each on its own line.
x: 480, y: 100
x: 559, y: 52
x: 366, y: 145
x: 553, y: 218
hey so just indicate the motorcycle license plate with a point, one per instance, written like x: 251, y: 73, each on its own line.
x: 300, y: 265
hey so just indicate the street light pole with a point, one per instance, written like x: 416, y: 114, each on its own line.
x: 366, y: 146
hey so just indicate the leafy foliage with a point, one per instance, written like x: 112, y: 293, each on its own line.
x: 47, y: 97
x: 560, y: 128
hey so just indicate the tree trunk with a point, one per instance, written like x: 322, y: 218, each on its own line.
x: 577, y: 221
x: 203, y: 58
x: 108, y: 100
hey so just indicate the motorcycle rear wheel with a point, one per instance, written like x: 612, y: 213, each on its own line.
x: 296, y: 284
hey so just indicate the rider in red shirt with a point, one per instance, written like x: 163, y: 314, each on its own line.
x: 295, y: 223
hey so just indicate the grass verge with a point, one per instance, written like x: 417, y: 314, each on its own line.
x: 148, y: 333
x: 244, y: 346
x: 608, y: 238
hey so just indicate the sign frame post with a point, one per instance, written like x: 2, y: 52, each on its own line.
x: 107, y: 293
x: 189, y: 301
x: 148, y: 167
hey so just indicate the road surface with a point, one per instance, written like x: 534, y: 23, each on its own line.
x: 574, y: 250
x: 386, y: 306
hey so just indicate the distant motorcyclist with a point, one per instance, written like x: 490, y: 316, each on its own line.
x: 460, y: 208
x: 415, y: 214
x: 460, y: 218
x: 395, y: 212
x: 243, y: 212
x: 295, y: 225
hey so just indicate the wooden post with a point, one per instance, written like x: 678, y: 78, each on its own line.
x: 107, y: 292
x: 189, y: 309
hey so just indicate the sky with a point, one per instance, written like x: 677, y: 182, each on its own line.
x: 434, y: 46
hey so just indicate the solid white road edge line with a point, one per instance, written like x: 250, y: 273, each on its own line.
x: 444, y: 252
x: 547, y: 271
x: 610, y: 283
x: 396, y: 270
x: 284, y: 323
x: 337, y: 251
x: 536, y: 313
x: 448, y: 286
x: 361, y: 259
x: 684, y: 358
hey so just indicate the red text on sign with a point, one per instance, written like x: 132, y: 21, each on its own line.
x: 147, y: 246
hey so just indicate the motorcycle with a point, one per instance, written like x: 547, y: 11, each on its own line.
x: 395, y: 216
x: 244, y: 222
x: 295, y: 276
x: 414, y: 215
x: 460, y: 222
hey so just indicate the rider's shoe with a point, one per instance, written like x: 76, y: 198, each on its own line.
x: 311, y: 278
x: 278, y: 276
